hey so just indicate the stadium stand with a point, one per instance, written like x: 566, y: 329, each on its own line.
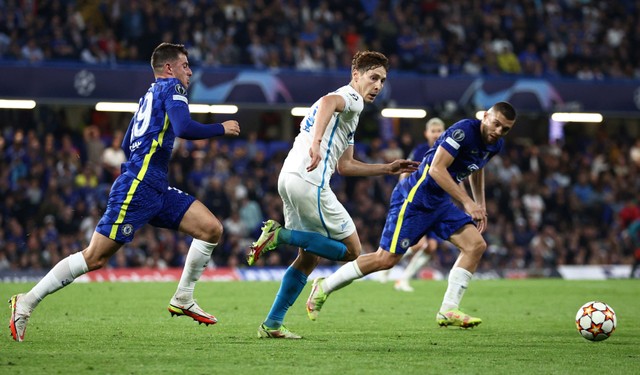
x: 550, y: 204
x: 587, y: 40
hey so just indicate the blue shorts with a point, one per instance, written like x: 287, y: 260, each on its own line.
x: 133, y: 203
x: 433, y: 236
x: 407, y: 221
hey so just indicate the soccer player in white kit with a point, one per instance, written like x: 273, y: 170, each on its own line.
x: 315, y: 220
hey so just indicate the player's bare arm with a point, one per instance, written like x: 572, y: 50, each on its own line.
x: 476, y: 181
x: 348, y: 166
x: 329, y: 104
x: 438, y: 171
x: 403, y: 166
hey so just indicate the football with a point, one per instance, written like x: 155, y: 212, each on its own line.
x: 596, y: 321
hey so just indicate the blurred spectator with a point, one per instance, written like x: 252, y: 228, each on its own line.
x: 249, y: 210
x: 392, y: 151
x: 552, y: 38
x: 113, y: 156
x: 234, y: 226
x: 32, y: 52
x: 48, y: 179
x: 634, y: 153
x: 507, y: 60
x: 531, y: 190
x: 530, y: 61
x: 93, y: 145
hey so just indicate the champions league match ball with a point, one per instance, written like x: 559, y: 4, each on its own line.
x: 596, y: 321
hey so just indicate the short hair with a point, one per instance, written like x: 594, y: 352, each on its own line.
x: 166, y: 52
x: 506, y: 109
x: 367, y: 60
x: 434, y: 122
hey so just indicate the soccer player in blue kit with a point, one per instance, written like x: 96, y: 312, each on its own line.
x: 141, y: 194
x: 423, y: 202
x: 428, y: 244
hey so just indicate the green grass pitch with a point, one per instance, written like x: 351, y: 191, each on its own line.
x: 367, y: 328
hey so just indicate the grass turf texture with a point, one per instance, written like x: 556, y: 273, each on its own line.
x: 367, y: 328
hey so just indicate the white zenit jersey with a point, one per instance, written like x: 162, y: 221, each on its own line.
x: 337, y: 137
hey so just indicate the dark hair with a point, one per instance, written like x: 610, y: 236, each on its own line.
x: 166, y: 52
x: 367, y: 60
x: 506, y: 109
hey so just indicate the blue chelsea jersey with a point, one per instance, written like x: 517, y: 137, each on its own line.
x: 417, y: 154
x: 149, y: 139
x: 464, y: 142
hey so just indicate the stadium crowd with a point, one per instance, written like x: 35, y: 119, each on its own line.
x: 588, y: 40
x: 548, y: 204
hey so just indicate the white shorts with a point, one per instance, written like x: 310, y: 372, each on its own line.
x: 309, y: 208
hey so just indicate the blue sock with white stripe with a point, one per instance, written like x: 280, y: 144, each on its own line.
x: 314, y: 243
x: 291, y: 286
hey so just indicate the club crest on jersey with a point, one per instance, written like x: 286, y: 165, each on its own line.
x: 180, y: 89
x: 354, y: 96
x: 126, y: 229
x: 405, y: 243
x: 457, y: 135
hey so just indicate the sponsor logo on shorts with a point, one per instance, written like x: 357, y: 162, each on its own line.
x: 126, y: 229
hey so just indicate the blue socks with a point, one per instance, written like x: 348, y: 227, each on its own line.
x: 314, y: 243
x: 290, y: 288
x: 294, y: 280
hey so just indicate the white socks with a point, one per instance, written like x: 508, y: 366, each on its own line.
x: 342, y: 277
x: 416, y: 263
x: 408, y: 252
x: 61, y: 275
x: 197, y: 259
x: 458, y: 282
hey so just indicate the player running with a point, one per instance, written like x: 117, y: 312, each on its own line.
x: 141, y: 194
x: 315, y: 220
x: 423, y: 202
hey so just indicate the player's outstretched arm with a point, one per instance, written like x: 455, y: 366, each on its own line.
x: 187, y: 128
x: 402, y: 166
x: 348, y: 166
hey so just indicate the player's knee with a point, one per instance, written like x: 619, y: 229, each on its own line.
x: 95, y: 262
x: 100, y: 263
x: 351, y: 254
x: 482, y: 246
x: 213, y: 231
x: 478, y: 248
x: 385, y: 263
x: 385, y: 260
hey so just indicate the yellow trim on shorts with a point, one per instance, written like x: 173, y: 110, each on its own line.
x: 412, y: 193
x: 139, y: 177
